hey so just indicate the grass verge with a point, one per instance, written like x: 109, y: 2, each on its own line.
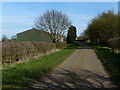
x: 111, y: 61
x: 24, y: 74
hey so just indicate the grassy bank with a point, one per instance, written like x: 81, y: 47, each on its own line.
x: 23, y: 74
x: 111, y: 61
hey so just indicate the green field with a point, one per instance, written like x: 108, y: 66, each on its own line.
x: 111, y: 61
x: 24, y: 74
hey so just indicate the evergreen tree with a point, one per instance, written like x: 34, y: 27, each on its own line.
x: 71, y: 35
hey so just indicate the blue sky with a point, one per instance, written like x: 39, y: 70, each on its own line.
x: 20, y: 16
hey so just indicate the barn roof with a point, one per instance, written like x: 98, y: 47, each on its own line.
x: 34, y: 30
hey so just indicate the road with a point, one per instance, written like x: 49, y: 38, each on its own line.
x: 81, y: 70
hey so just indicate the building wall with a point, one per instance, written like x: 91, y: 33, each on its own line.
x: 33, y: 35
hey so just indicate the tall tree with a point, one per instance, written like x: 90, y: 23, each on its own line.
x: 103, y: 27
x: 71, y: 35
x: 54, y: 22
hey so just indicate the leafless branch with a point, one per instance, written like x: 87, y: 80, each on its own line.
x: 53, y: 22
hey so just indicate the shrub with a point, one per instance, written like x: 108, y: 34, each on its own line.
x: 103, y: 27
x: 17, y: 51
x: 115, y: 43
x: 60, y: 45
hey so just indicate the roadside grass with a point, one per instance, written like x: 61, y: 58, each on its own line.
x: 24, y: 74
x: 111, y: 61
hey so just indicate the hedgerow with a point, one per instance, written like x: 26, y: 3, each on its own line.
x: 20, y: 51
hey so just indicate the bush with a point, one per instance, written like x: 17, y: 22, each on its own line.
x: 60, y: 45
x: 115, y: 43
x: 103, y: 27
x: 18, y: 51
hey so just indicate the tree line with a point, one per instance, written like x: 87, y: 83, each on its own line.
x: 104, y: 29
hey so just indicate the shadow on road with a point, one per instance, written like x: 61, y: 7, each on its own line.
x: 83, y: 45
x: 62, y: 78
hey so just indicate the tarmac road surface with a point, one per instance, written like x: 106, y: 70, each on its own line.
x: 80, y: 70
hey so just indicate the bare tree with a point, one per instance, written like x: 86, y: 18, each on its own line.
x: 54, y: 22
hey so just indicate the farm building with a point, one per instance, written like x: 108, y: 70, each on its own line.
x: 34, y: 35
